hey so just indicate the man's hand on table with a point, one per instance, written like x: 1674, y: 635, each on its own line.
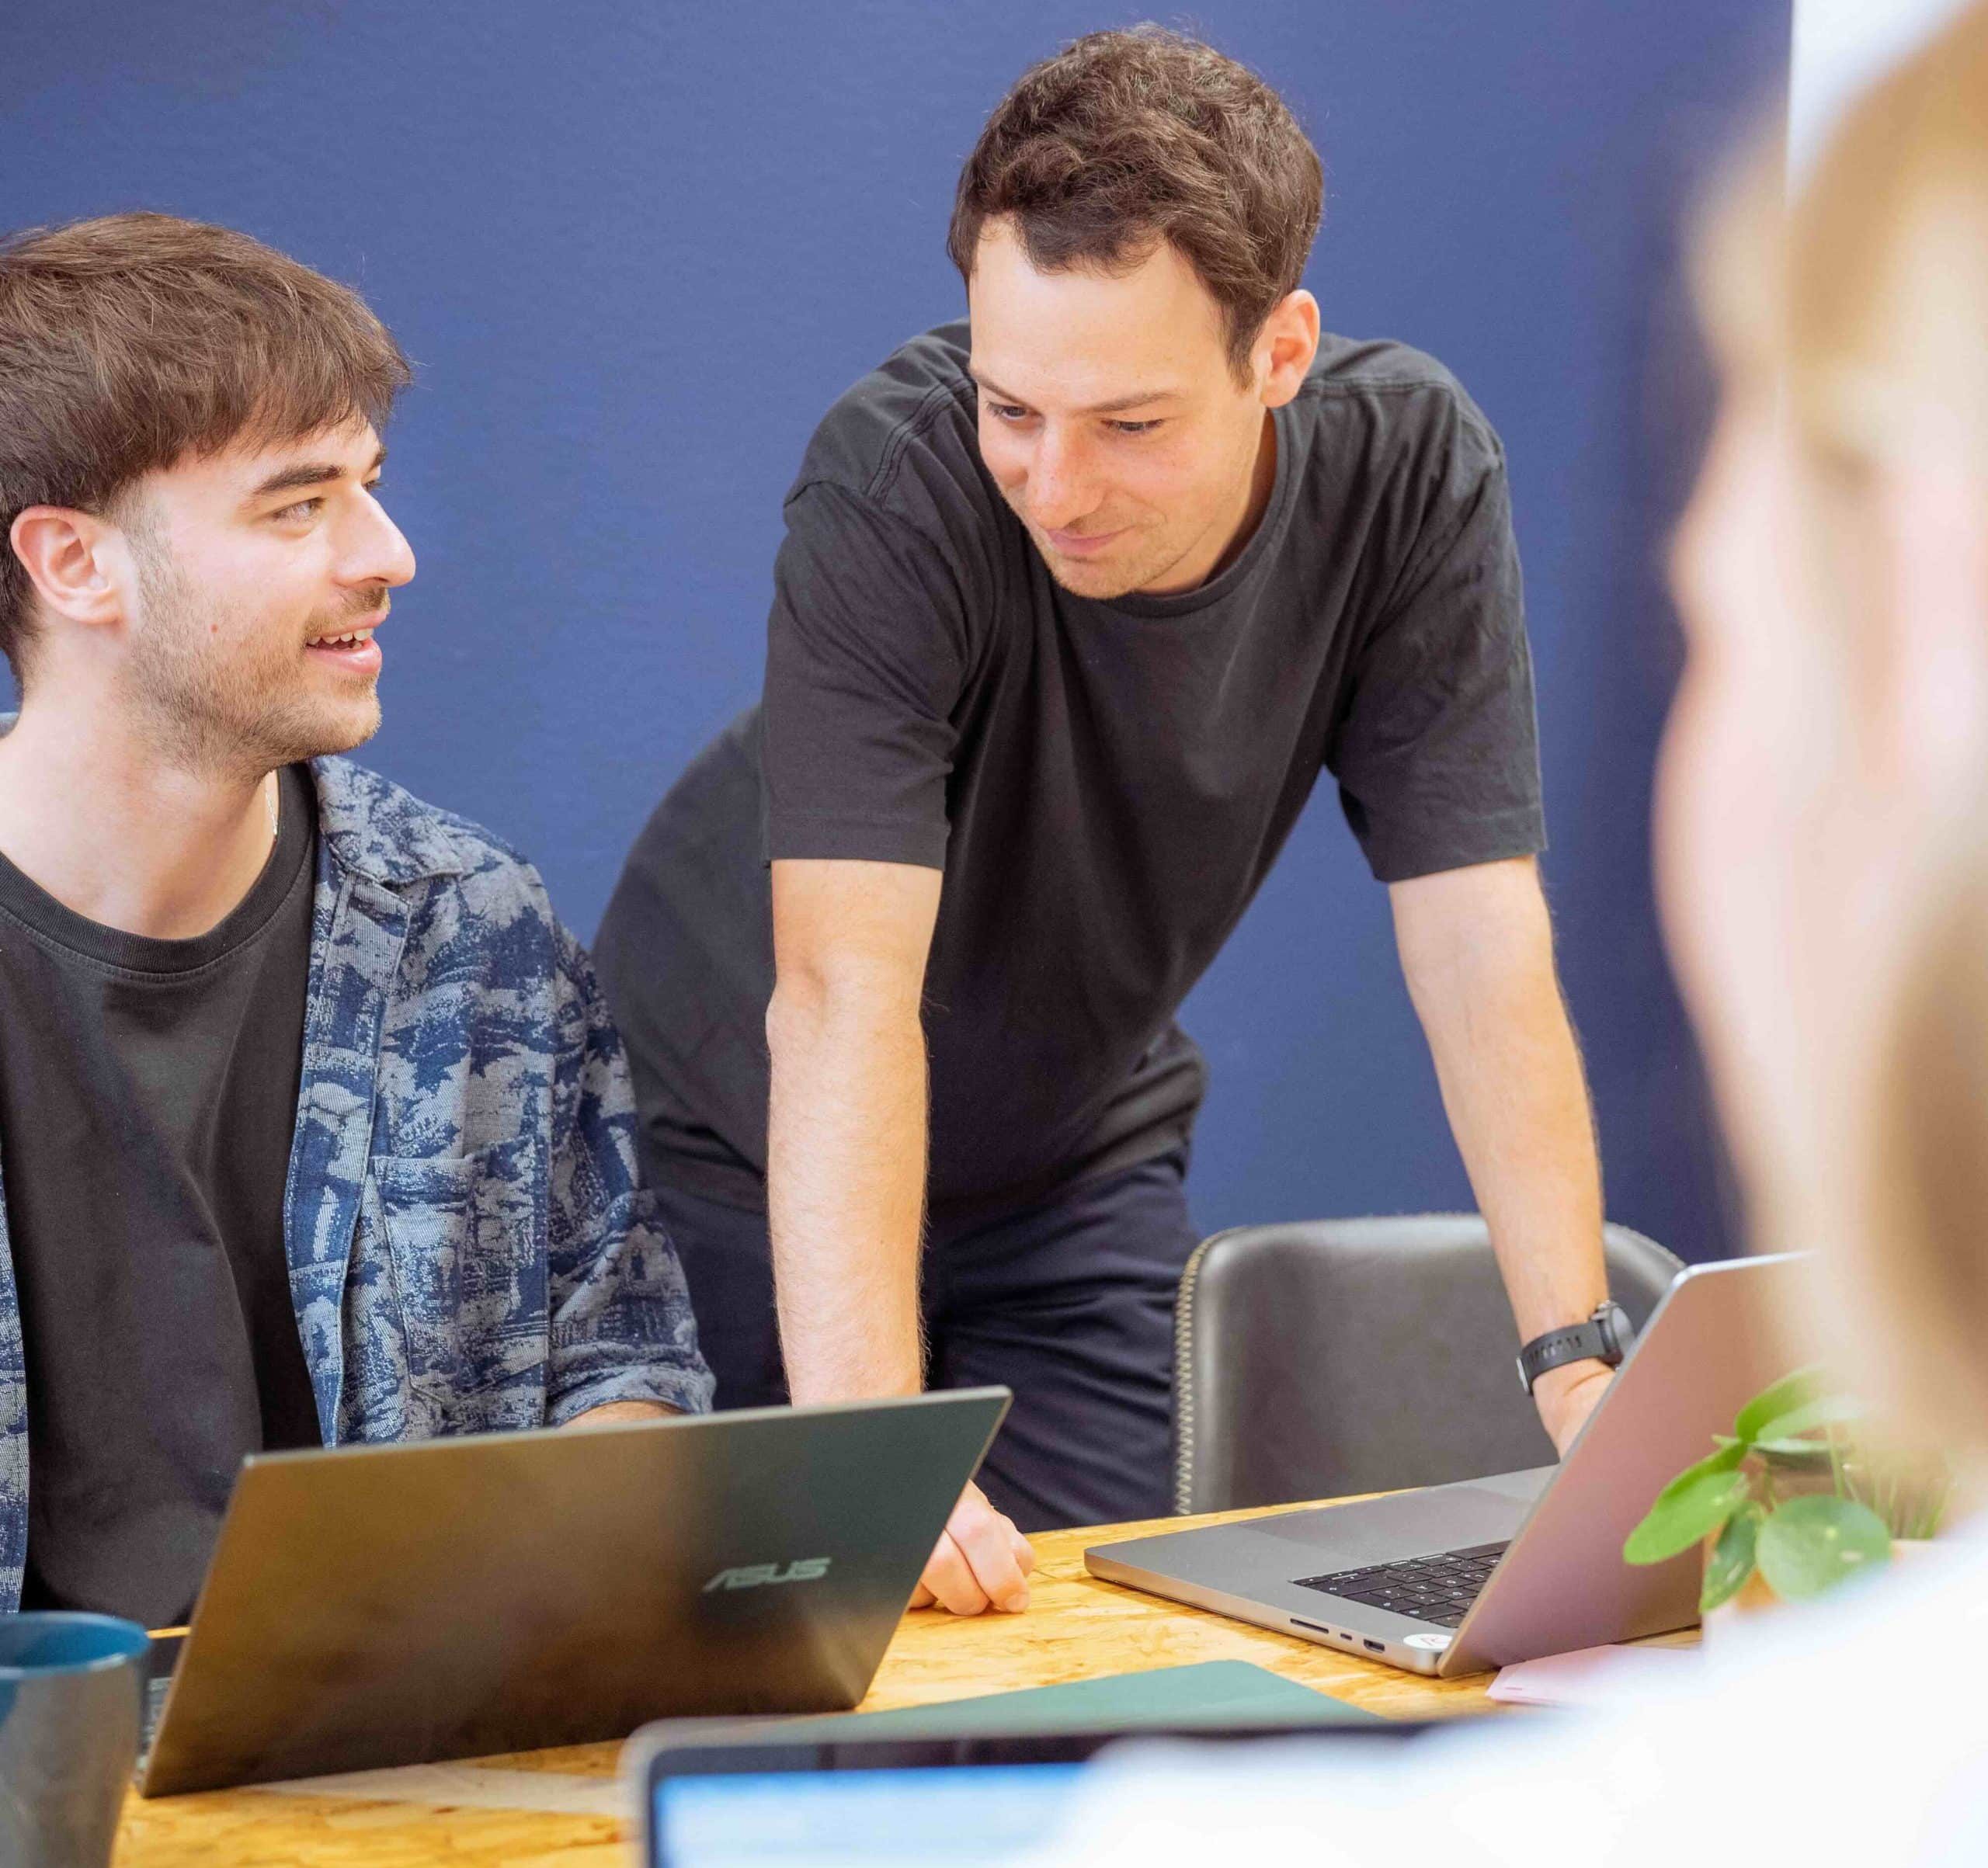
x: 980, y: 1561
x: 1565, y: 1397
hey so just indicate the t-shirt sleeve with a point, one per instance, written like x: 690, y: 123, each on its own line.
x: 866, y: 655
x: 1436, y: 749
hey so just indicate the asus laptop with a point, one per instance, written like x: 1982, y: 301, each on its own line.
x: 1455, y: 1578
x: 375, y: 1605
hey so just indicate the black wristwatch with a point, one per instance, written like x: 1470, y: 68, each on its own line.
x: 1605, y: 1337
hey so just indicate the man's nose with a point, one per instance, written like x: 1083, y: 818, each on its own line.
x: 377, y: 552
x: 1060, y: 488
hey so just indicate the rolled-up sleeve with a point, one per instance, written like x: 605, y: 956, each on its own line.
x: 621, y: 1321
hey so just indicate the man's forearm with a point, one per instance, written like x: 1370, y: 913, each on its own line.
x: 609, y: 1413
x: 846, y: 1188
x: 1517, y: 1104
x: 1477, y: 950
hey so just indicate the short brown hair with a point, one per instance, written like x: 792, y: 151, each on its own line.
x: 1125, y: 139
x: 133, y: 341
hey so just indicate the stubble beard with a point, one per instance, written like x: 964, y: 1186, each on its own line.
x: 234, y: 713
x: 1107, y: 583
x: 1100, y: 583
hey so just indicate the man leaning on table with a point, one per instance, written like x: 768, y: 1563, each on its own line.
x: 313, y: 1127
x: 1076, y: 601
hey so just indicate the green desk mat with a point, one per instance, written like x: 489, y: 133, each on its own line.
x: 1213, y: 1693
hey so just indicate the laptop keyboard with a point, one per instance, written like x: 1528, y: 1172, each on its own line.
x: 156, y: 1692
x: 1439, y: 1589
x: 161, y: 1658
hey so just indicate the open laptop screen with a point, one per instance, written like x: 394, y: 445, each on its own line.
x: 967, y: 1816
x: 970, y: 1802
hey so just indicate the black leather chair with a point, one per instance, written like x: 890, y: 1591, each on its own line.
x: 1331, y: 1356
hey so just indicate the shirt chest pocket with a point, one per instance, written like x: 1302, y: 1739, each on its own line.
x: 462, y: 1239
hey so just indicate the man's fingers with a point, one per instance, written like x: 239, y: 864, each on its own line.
x: 949, y: 1577
x: 988, y: 1541
x: 982, y: 1560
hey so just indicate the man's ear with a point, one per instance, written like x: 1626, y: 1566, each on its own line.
x: 81, y: 564
x: 1285, y: 346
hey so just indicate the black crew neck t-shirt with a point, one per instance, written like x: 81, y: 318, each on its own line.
x: 1105, y: 784
x: 147, y: 1099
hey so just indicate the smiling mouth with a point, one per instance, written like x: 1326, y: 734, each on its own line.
x: 355, y: 644
x: 353, y: 648
x: 1081, y: 544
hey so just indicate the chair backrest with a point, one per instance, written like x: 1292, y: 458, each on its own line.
x: 1328, y: 1357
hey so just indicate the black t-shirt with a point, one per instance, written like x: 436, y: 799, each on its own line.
x: 148, y: 1097
x: 1104, y: 784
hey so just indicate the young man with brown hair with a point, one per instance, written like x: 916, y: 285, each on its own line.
x: 1076, y: 601
x: 313, y: 1127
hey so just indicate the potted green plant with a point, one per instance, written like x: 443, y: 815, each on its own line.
x: 1794, y: 1501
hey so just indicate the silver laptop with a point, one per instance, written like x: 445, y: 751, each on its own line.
x: 385, y: 1605
x: 1455, y: 1578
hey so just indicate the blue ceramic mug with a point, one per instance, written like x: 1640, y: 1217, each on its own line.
x: 71, y: 1699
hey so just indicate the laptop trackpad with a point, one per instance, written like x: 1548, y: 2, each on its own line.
x: 1410, y: 1524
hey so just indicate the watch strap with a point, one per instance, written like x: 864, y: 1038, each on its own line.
x: 1595, y: 1337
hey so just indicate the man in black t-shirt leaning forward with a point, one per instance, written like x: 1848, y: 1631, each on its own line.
x: 1075, y: 602
x: 313, y: 1127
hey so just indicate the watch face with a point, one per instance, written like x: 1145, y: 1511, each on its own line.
x: 1617, y: 1332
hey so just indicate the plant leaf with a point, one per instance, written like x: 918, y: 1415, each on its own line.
x: 1732, y: 1559
x: 1791, y: 1392
x: 1726, y: 1459
x: 1824, y: 1411
x: 1692, y: 1506
x: 1815, y: 1543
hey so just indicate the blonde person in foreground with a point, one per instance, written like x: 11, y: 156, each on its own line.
x: 1823, y: 837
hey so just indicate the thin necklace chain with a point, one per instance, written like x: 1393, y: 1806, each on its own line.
x: 270, y: 792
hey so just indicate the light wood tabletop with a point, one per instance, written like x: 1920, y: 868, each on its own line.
x: 1077, y: 1628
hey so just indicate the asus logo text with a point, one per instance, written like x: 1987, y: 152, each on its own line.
x: 757, y: 1575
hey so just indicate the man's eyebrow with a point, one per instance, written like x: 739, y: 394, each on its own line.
x: 310, y: 474
x: 1111, y: 408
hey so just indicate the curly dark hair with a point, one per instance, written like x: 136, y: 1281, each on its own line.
x: 1125, y: 139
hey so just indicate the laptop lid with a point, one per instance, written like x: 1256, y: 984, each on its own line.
x: 1550, y: 1539
x: 1721, y: 1333
x: 382, y: 1605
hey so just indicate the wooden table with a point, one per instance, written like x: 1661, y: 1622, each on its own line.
x: 1077, y: 1628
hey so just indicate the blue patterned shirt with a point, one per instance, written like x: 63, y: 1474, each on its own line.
x: 469, y: 1247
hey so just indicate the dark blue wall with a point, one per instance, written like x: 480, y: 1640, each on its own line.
x: 636, y: 248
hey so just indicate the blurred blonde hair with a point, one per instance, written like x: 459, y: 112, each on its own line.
x: 1871, y: 311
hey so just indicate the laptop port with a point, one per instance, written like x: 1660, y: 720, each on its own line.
x: 1377, y: 1646
x: 1313, y: 1626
